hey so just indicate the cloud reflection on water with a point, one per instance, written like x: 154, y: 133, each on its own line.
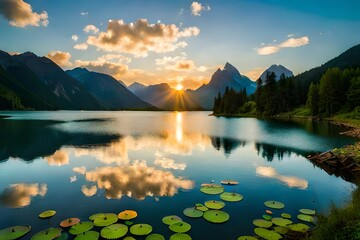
x: 19, y: 195
x: 59, y: 158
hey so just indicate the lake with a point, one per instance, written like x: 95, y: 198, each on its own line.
x: 80, y: 163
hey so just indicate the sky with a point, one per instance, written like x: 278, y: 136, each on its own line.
x: 180, y: 42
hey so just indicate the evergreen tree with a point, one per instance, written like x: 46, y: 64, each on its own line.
x: 313, y: 99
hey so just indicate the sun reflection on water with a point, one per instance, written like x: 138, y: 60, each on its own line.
x: 179, y: 127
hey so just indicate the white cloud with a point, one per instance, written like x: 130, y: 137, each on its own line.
x: 168, y: 163
x: 290, y: 35
x: 73, y: 179
x: 80, y: 170
x: 20, y: 194
x: 197, y: 7
x: 20, y: 14
x: 59, y: 158
x: 60, y: 58
x: 74, y: 37
x: 81, y: 46
x: 91, y: 28
x: 178, y: 63
x: 84, y: 13
x: 289, y: 43
x: 89, y: 191
x: 140, y: 37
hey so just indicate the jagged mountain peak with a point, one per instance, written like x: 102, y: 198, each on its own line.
x: 278, y: 70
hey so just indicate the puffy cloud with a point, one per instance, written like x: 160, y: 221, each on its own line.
x: 60, y: 58
x: 20, y: 14
x: 290, y: 181
x: 289, y: 43
x: 91, y: 28
x: 80, y: 170
x: 111, y: 57
x: 84, y: 13
x: 178, y: 63
x: 140, y: 37
x: 290, y: 35
x: 74, y: 37
x: 20, y: 194
x: 81, y: 46
x: 197, y: 7
x: 114, y: 69
x: 73, y: 179
x: 59, y: 158
x: 137, y: 181
x: 167, y: 162
x: 89, y: 191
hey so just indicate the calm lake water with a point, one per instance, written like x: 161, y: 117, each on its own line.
x: 81, y: 163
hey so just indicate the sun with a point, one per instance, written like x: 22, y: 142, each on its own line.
x: 179, y: 87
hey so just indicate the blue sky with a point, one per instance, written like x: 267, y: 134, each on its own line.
x: 181, y: 42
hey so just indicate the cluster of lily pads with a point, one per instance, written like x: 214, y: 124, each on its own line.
x: 114, y: 226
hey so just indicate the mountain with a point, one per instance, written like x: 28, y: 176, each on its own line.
x: 166, y: 98
x: 278, y: 70
x: 350, y: 58
x: 230, y: 77
x: 136, y: 86
x: 107, y: 90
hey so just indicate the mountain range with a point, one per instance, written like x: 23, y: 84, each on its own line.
x: 278, y: 70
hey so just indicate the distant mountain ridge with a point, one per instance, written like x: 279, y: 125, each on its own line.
x: 278, y: 70
x: 228, y: 77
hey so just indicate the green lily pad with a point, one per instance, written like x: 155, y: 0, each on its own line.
x: 231, y: 197
x: 262, y: 223
x: 267, y: 234
x: 286, y: 215
x: 168, y: 220
x: 180, y: 227
x: 281, y: 230
x: 47, y: 214
x: 114, y: 231
x: 247, y: 238
x: 229, y: 182
x: 180, y: 236
x: 298, y: 227
x: 212, y: 189
x: 105, y: 220
x: 141, y: 229
x: 155, y: 236
x: 193, y: 212
x: 305, y: 218
x: 14, y: 232
x: 90, y: 235
x: 201, y: 207
x: 307, y: 211
x: 267, y: 217
x: 69, y: 222
x: 81, y: 227
x: 216, y: 216
x: 129, y: 238
x: 282, y: 222
x: 274, y: 204
x: 127, y: 215
x: 64, y: 236
x: 92, y: 217
x: 217, y: 205
x: 129, y: 223
x: 47, y: 234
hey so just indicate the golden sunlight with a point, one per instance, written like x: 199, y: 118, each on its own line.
x: 179, y: 87
x: 179, y: 130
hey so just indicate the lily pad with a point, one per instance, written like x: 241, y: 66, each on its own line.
x: 262, y: 223
x: 231, y: 197
x: 267, y: 217
x: 141, y: 229
x: 14, y: 232
x: 127, y: 215
x: 47, y: 234
x: 180, y: 227
x: 216, y: 216
x: 201, y: 207
x: 282, y: 222
x: 298, y: 227
x: 90, y: 235
x: 267, y: 234
x: 155, y: 236
x: 212, y: 189
x: 81, y: 227
x: 168, y: 220
x: 305, y: 218
x: 47, y: 214
x: 217, y: 205
x: 64, y: 236
x: 307, y: 211
x: 129, y: 223
x: 286, y: 215
x: 114, y: 231
x: 129, y: 238
x: 105, y: 220
x: 69, y: 222
x: 229, y: 182
x: 92, y: 217
x: 274, y: 204
x: 247, y: 238
x: 269, y: 212
x: 193, y: 212
x: 281, y: 230
x: 180, y: 236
